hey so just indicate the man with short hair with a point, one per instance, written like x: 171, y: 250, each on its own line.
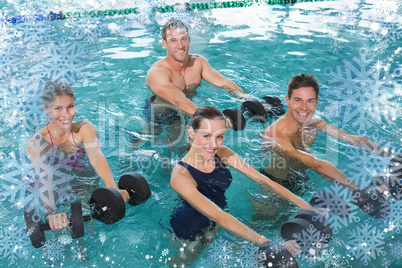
x: 291, y: 136
x: 174, y: 78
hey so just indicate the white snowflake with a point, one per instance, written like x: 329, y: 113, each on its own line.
x: 338, y: 223
x: 65, y: 239
x: 14, y: 243
x: 34, y: 33
x: 332, y: 259
x: 165, y: 252
x: 251, y: 257
x: 53, y: 250
x: 382, y: 10
x: 29, y: 188
x: 279, y: 244
x: 363, y: 165
x: 365, y: 242
x: 102, y: 237
x: 347, y: 18
x: 394, y: 220
x: 335, y: 46
x: 9, y: 61
x: 386, y: 34
x: 312, y: 243
x: 88, y: 30
x: 24, y: 107
x: 220, y: 251
x: 363, y: 80
x: 385, y: 263
x: 396, y: 250
x: 63, y: 61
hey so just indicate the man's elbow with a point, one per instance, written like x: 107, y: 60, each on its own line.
x: 321, y: 166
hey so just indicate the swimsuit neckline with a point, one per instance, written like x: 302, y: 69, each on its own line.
x: 216, y: 165
x: 51, y: 140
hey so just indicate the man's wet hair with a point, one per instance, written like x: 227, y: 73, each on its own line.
x: 173, y: 24
x: 303, y: 80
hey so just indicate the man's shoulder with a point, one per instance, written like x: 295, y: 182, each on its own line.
x: 275, y: 129
x: 158, y: 70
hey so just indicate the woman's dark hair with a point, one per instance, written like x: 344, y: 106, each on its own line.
x: 55, y: 89
x: 204, y: 112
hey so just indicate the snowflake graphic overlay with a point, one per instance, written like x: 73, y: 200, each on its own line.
x: 53, y: 250
x: 312, y: 243
x: 396, y: 250
x: 365, y: 242
x: 220, y: 251
x: 386, y: 34
x: 367, y: 81
x: 331, y: 259
x: 251, y: 257
x: 384, y: 9
x: 336, y: 222
x: 63, y: 61
x: 30, y: 183
x: 364, y: 163
x: 394, y: 220
x: 23, y: 109
x: 14, y: 243
x: 9, y: 61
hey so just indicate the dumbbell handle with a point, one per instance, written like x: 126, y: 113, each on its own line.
x: 46, y: 227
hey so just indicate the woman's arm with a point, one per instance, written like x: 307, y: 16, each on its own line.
x: 38, y: 157
x: 89, y: 138
x: 185, y: 186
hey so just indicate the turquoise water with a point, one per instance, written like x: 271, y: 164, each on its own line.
x: 353, y: 48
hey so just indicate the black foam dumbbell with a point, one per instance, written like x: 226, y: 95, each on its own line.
x: 107, y: 206
x: 392, y: 182
x: 310, y: 230
x: 36, y: 228
x: 371, y: 201
x: 274, y: 255
x: 256, y: 111
x: 395, y: 165
x: 110, y: 202
x: 236, y: 118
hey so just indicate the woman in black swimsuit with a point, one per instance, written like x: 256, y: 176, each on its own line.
x: 58, y: 102
x: 201, y: 179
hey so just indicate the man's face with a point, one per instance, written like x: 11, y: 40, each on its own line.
x: 177, y: 43
x: 302, y: 104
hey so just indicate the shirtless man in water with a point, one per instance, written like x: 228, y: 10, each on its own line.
x: 174, y: 78
x: 292, y: 135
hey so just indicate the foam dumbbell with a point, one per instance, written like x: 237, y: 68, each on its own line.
x: 36, y: 228
x: 256, y: 111
x: 275, y: 255
x: 236, y: 118
x: 371, y: 201
x: 110, y: 202
x: 310, y: 230
x: 392, y: 182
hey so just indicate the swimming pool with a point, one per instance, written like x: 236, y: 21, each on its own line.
x: 353, y: 47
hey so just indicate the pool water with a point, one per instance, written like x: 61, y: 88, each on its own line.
x: 353, y: 47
